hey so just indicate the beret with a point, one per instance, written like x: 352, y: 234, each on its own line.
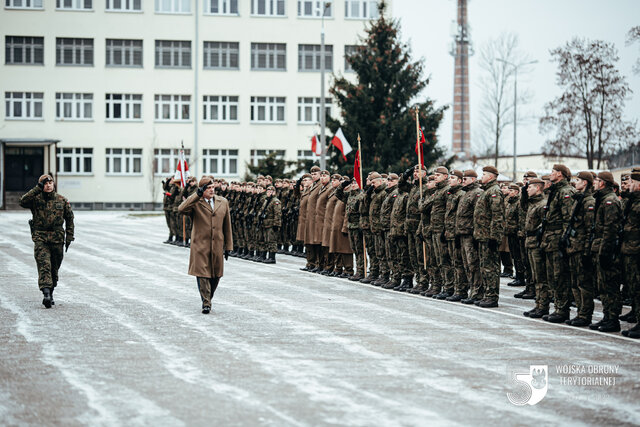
x: 336, y: 176
x: 393, y: 176
x: 470, y: 172
x: 44, y: 177
x: 306, y: 175
x: 442, y: 170
x: 536, y: 181
x: 586, y: 175
x: 457, y: 173
x: 205, y: 180
x: 424, y: 168
x: 562, y: 168
x: 607, y: 176
x: 271, y: 187
x: 325, y: 172
x: 384, y: 175
x: 374, y: 175
x: 530, y: 174
x: 514, y: 187
x: 635, y: 176
x: 315, y: 169
x: 491, y: 169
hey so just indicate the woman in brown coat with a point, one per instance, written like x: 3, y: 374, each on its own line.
x: 211, y: 238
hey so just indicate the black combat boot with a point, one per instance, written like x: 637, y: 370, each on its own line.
x: 633, y: 332
x: 406, y: 285
x: 52, y: 301
x: 538, y: 313
x: 356, y: 277
x: 595, y: 326
x: 169, y: 240
x: 188, y: 244
x: 612, y: 325
x: 456, y: 298
x: 468, y: 300
x: 578, y: 321
x: 528, y: 313
x: 443, y: 295
x: 487, y: 303
x: 629, y: 317
x: 516, y: 282
x: 180, y: 243
x: 271, y: 259
x: 46, y: 301
x: 392, y: 283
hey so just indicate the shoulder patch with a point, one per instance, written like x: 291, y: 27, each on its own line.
x: 478, y: 195
x: 590, y: 208
x: 277, y: 203
x: 494, y: 195
x: 609, y: 203
x: 566, y: 196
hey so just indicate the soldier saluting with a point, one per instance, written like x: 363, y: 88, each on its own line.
x: 50, y: 212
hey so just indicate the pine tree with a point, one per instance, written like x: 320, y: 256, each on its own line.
x: 272, y: 165
x: 380, y: 105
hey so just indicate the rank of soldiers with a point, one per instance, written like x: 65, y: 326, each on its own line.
x: 572, y: 238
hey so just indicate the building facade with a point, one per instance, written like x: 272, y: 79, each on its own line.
x: 102, y: 93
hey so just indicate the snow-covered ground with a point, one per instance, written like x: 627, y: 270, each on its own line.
x: 126, y: 344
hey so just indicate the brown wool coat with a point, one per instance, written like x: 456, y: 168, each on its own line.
x: 311, y: 214
x: 328, y: 218
x: 302, y: 215
x: 320, y: 212
x: 210, y: 236
x: 339, y: 243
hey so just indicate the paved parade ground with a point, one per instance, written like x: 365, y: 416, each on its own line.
x: 126, y: 344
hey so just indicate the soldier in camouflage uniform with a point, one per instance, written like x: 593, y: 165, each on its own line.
x: 192, y: 186
x: 385, y: 222
x: 397, y: 242
x: 166, y: 206
x: 454, y: 245
x: 378, y: 194
x: 434, y: 273
x: 350, y: 194
x: 529, y: 290
x: 369, y: 238
x: 631, y: 250
x: 271, y: 223
x: 464, y: 233
x: 512, y: 218
x: 438, y: 239
x: 412, y: 223
x: 50, y: 211
x: 488, y: 230
x: 177, y: 218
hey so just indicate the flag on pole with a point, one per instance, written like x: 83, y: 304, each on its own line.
x: 356, y: 169
x: 316, y: 146
x: 341, y: 143
x: 419, y: 148
x: 182, y: 169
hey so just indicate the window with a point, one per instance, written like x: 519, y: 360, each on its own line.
x: 349, y: 50
x: 24, y: 50
x: 172, y: 107
x: 313, y: 9
x: 309, y: 110
x: 173, y: 53
x: 304, y: 155
x: 124, y: 106
x: 361, y: 9
x: 77, y: 161
x: 23, y: 4
x: 74, y: 106
x: 173, y: 6
x: 267, y: 109
x: 220, y: 55
x: 257, y: 155
x: 124, y: 161
x: 220, y: 7
x: 267, y: 7
x: 124, y: 5
x: 23, y: 105
x: 74, y: 4
x: 74, y: 51
x: 220, y: 162
x: 269, y: 56
x: 309, y: 57
x: 220, y: 108
x: 124, y: 53
x: 165, y: 160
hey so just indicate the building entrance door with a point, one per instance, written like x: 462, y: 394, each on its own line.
x: 23, y: 166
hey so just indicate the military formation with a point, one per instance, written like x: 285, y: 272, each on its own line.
x: 571, y: 238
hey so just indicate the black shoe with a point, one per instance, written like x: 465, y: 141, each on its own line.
x: 356, y: 277
x: 528, y: 313
x: 314, y: 270
x: 455, y: 298
x: 442, y: 295
x: 632, y: 332
x: 538, y: 313
x: 629, y: 317
x: 595, y: 326
x: 579, y: 321
x: 169, y: 240
x: 369, y: 279
x: 324, y: 272
x: 508, y: 275
x: 488, y: 303
x: 271, y: 259
x: 612, y: 325
x: 431, y: 292
x: 46, y: 301
x: 557, y: 317
x: 206, y: 310
x: 52, y: 301
x: 391, y: 284
x: 305, y: 268
x: 468, y: 300
x: 516, y: 282
x: 528, y: 296
x: 405, y: 285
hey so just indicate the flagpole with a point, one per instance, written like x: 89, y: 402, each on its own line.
x: 424, y: 246
x: 364, y: 242
x: 182, y: 176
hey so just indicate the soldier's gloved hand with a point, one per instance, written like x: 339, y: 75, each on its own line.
x: 370, y: 190
x: 407, y: 174
x: 42, y: 183
x: 200, y: 191
x: 226, y: 255
x: 493, y: 245
x: 66, y: 245
x: 345, y: 184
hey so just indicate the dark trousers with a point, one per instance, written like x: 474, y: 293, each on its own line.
x: 207, y: 287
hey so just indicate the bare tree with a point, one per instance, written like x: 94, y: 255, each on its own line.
x: 587, y: 117
x: 497, y: 85
x: 634, y: 36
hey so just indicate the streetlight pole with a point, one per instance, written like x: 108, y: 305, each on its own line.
x: 515, y: 106
x: 323, y: 119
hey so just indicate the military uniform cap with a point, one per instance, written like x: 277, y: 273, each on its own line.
x: 607, y: 177
x: 443, y: 170
x: 491, y: 169
x: 260, y: 176
x: 586, y: 175
x: 374, y: 175
x: 271, y: 187
x: 315, y: 169
x: 625, y: 176
x: 530, y: 174
x: 635, y: 176
x: 536, y: 181
x: 457, y: 173
x: 384, y: 175
x: 268, y: 177
x: 471, y: 173
x: 306, y: 175
x: 44, y: 177
x: 424, y: 168
x: 546, y: 177
x: 514, y: 187
x: 336, y: 176
x: 563, y: 169
x: 393, y: 176
x: 431, y: 177
x: 205, y: 181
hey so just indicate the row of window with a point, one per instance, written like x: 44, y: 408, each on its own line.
x: 27, y: 50
x: 128, y: 161
x: 353, y: 9
x: 169, y: 108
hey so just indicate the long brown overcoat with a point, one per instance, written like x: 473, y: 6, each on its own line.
x: 339, y: 243
x: 321, y: 210
x: 302, y: 215
x: 328, y: 217
x: 311, y: 213
x: 210, y: 236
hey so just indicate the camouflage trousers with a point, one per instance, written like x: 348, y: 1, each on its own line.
x: 435, y: 275
x: 173, y: 223
x: 374, y: 265
x: 516, y: 256
x: 539, y: 277
x: 471, y: 263
x: 48, y: 259
x: 357, y: 245
x: 398, y: 249
x: 461, y: 286
x: 559, y: 281
x: 631, y: 265
x: 609, y: 289
x: 270, y: 239
x: 525, y: 261
x: 582, y: 285
x: 443, y: 263
x: 490, y: 271
x: 381, y: 253
x: 188, y: 226
x: 167, y: 217
x: 416, y: 258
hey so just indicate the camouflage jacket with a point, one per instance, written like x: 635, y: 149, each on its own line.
x: 466, y: 206
x: 453, y: 199
x: 488, y: 216
x: 439, y: 207
x: 398, y: 213
x: 631, y: 239
x: 558, y: 214
x: 533, y: 220
x: 377, y: 198
x: 365, y: 205
x: 579, y: 238
x: 607, y: 219
x: 512, y: 216
x: 387, y: 207
x: 272, y: 213
x: 425, y: 209
x: 352, y: 200
x: 50, y: 212
x: 413, y: 205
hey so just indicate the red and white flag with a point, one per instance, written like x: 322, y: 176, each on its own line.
x: 419, y: 148
x: 182, y: 169
x: 341, y: 143
x: 356, y: 169
x: 316, y: 147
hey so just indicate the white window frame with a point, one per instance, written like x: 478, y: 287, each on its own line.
x: 75, y: 104
x: 127, y: 157
x: 29, y: 46
x: 76, y: 5
x: 175, y: 7
x: 77, y: 156
x: 224, y: 7
x: 224, y: 52
x: 308, y: 104
x: 171, y: 156
x: 127, y: 48
x: 223, y: 105
x: 224, y: 160
x: 129, y: 103
x: 304, y: 155
x: 367, y: 9
x: 268, y: 107
x: 312, y: 52
x: 270, y: 8
x: 127, y: 6
x: 347, y: 48
x: 316, y: 9
x: 258, y: 154
x: 176, y: 106
x: 173, y: 48
x: 29, y: 102
x: 79, y: 46
x: 24, y: 4
x: 272, y: 52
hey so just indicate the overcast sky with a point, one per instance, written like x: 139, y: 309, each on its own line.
x: 541, y: 26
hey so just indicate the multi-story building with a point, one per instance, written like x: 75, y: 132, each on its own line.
x: 102, y: 93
